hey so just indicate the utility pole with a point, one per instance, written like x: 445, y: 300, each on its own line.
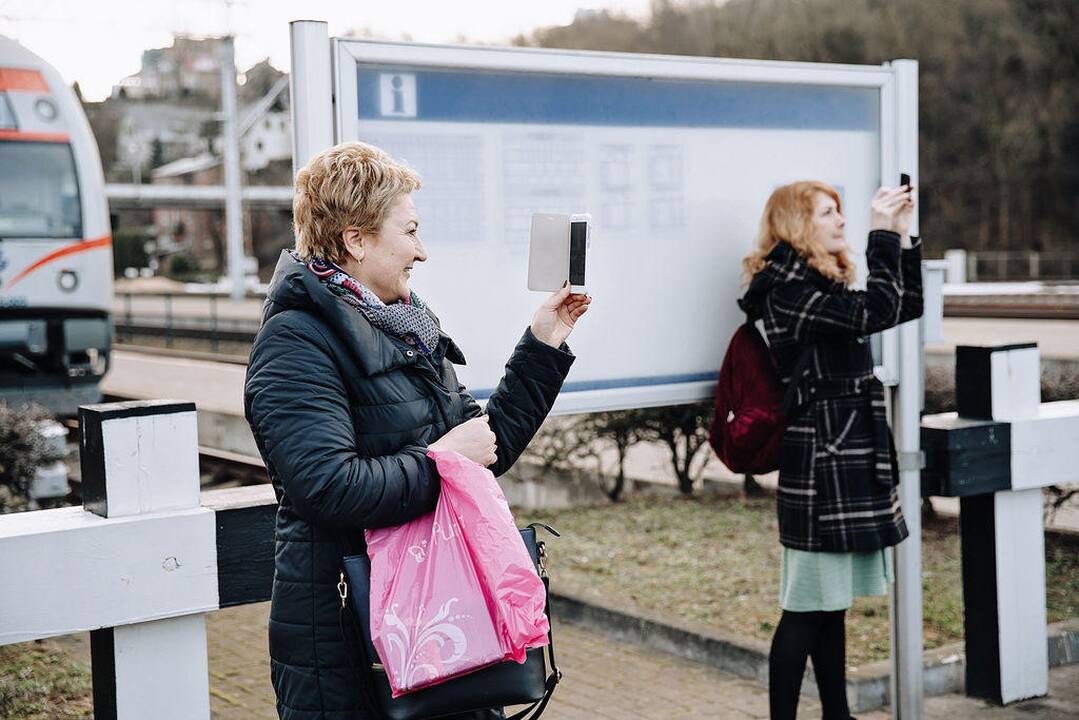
x: 234, y: 229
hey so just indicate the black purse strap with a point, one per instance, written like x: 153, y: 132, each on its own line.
x: 533, y: 711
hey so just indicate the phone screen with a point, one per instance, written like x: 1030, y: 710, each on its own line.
x: 578, y: 239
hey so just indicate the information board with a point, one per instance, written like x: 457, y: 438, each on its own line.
x: 673, y: 157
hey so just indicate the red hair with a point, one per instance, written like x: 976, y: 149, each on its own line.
x: 788, y: 217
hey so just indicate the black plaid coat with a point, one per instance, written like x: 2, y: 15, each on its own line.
x: 838, y: 473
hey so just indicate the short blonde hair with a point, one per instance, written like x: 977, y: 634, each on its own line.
x: 788, y: 217
x: 350, y: 185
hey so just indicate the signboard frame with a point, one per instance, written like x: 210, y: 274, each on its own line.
x: 347, y: 54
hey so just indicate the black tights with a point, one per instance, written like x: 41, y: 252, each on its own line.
x: 822, y: 636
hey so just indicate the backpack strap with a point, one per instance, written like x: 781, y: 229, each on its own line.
x: 790, y: 394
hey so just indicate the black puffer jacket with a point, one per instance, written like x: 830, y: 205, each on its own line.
x: 342, y: 414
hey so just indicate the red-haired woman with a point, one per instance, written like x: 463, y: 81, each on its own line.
x: 837, y: 502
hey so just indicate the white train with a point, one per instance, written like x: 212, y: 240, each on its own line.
x: 55, y: 240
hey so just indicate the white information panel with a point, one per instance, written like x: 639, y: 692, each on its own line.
x: 673, y: 157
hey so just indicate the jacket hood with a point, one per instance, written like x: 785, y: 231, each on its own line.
x: 784, y: 264
x: 295, y: 287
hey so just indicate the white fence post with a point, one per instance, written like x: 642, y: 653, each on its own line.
x: 141, y: 458
x: 996, y: 454
x: 1005, y: 618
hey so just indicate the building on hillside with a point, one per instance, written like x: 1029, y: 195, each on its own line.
x: 268, y: 139
x: 152, y: 134
x: 189, y: 68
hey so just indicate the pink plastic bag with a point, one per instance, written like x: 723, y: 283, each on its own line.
x: 455, y: 590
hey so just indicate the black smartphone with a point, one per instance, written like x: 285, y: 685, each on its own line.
x: 904, y: 180
x: 578, y: 242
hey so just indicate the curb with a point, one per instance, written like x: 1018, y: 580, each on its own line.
x: 868, y: 687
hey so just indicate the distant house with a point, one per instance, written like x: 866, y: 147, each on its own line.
x: 198, y: 233
x: 151, y: 134
x: 268, y: 139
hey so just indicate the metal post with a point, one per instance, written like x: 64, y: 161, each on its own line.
x: 215, y: 340
x: 168, y: 319
x: 130, y: 329
x: 310, y: 96
x: 906, y: 595
x: 234, y: 230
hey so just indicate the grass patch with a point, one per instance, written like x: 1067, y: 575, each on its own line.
x: 715, y: 560
x: 39, y: 682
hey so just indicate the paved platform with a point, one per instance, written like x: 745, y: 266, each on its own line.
x: 603, y: 679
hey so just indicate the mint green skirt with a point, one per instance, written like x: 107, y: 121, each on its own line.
x: 814, y: 581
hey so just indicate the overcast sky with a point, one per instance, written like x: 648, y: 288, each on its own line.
x: 98, y: 42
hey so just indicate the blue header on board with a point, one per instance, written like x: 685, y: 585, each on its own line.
x: 411, y: 94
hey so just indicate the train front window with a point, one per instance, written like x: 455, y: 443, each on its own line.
x: 39, y: 191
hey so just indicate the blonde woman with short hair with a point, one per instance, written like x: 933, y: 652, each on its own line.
x: 838, y: 507
x: 351, y: 382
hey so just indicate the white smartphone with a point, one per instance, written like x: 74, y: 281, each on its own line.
x: 558, y: 250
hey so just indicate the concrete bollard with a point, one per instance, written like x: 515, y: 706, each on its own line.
x: 956, y: 260
x: 138, y: 459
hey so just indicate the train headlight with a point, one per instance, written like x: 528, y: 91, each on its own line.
x: 46, y: 109
x: 67, y: 280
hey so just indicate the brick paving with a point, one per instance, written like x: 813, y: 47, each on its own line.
x: 604, y: 679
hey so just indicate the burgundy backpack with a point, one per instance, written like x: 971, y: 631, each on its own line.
x: 751, y: 404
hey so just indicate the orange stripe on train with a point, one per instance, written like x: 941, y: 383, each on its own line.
x: 20, y: 136
x: 78, y: 247
x: 22, y: 79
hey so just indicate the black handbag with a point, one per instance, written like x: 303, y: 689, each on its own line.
x: 495, y: 686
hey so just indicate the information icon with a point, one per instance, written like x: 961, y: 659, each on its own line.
x: 397, y: 95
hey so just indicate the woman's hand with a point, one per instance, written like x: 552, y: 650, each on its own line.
x: 558, y: 315
x: 473, y: 439
x: 892, y: 209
